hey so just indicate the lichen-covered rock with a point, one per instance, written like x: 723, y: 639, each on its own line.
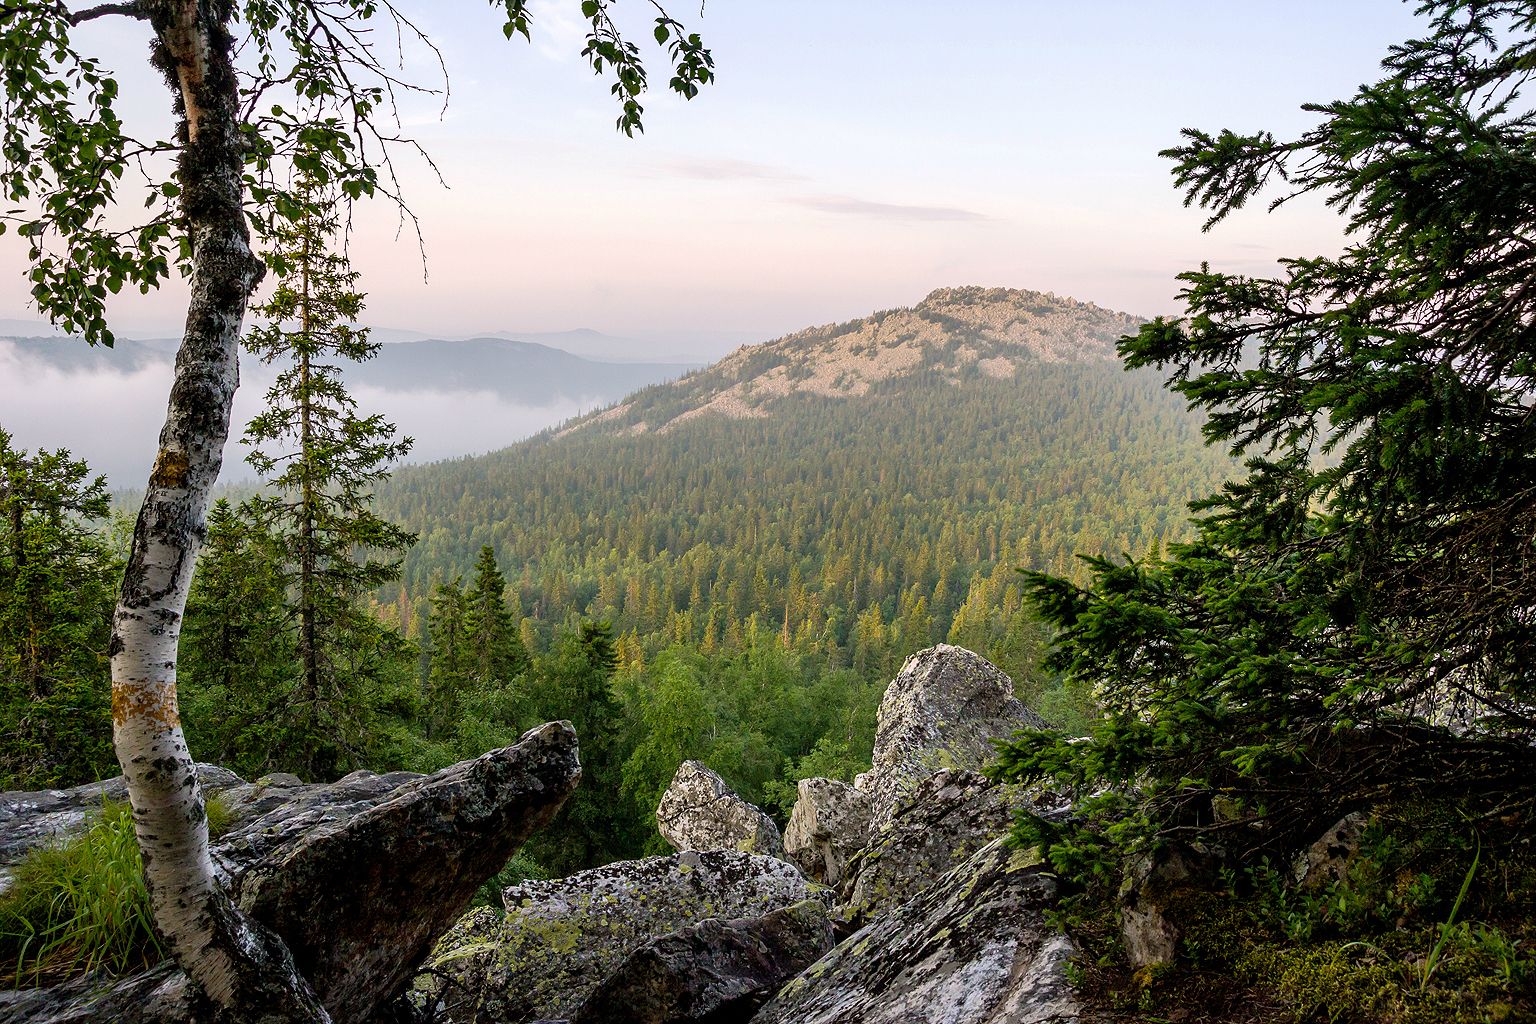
x: 711, y: 971
x: 315, y: 802
x: 830, y: 823
x: 944, y: 710
x: 700, y: 811
x: 558, y: 939
x: 947, y: 819
x: 975, y: 948
x: 358, y: 885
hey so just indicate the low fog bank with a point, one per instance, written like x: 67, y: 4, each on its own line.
x: 111, y: 417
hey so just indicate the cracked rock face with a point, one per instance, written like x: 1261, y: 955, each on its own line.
x: 944, y: 710
x: 830, y: 823
x: 359, y: 879
x: 713, y: 971
x: 699, y: 811
x: 975, y: 948
x: 947, y: 819
x: 559, y: 939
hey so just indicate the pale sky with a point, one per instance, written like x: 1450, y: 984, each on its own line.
x: 854, y: 155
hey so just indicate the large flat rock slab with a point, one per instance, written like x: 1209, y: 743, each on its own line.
x: 359, y: 885
x: 559, y: 939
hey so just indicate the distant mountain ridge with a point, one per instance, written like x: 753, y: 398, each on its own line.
x: 955, y: 333
x: 523, y: 372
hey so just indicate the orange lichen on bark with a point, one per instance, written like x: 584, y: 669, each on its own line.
x: 170, y: 468
x: 155, y: 704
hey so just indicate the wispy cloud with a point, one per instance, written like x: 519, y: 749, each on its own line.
x: 855, y: 207
x: 731, y: 170
x: 560, y: 32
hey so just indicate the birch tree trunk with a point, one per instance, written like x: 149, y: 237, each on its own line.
x: 242, y: 968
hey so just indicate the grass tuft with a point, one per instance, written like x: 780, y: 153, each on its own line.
x: 79, y: 907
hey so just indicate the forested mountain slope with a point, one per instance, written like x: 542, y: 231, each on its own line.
x: 861, y: 490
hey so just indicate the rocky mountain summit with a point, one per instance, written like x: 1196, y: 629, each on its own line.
x: 368, y: 879
x: 954, y: 334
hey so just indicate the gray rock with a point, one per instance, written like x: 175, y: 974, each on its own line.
x: 1151, y: 885
x: 699, y: 811
x: 944, y: 710
x: 559, y: 939
x: 711, y: 971
x: 948, y: 818
x: 1329, y: 858
x: 975, y: 948
x: 830, y: 823
x: 32, y: 819
x: 280, y: 779
x: 359, y: 884
x: 161, y: 995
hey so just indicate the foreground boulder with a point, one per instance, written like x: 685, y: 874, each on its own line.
x: 712, y: 971
x: 358, y: 886
x: 973, y: 949
x: 700, y: 811
x: 830, y: 823
x: 559, y: 939
x: 1153, y: 884
x: 944, y: 710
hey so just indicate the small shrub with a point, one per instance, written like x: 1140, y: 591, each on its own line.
x: 520, y: 868
x: 79, y: 907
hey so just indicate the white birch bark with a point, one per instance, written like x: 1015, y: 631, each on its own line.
x: 244, y: 970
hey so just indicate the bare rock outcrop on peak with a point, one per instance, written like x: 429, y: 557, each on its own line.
x: 953, y: 333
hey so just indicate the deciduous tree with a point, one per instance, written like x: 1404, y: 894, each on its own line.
x: 64, y: 153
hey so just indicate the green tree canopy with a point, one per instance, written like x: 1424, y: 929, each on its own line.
x: 56, y: 575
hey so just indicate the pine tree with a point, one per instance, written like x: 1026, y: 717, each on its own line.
x: 56, y: 583
x: 320, y: 458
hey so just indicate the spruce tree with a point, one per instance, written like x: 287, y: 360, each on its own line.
x: 575, y: 682
x: 239, y: 669
x: 320, y: 460
x: 496, y: 652
x: 1353, y: 621
x: 448, y: 665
